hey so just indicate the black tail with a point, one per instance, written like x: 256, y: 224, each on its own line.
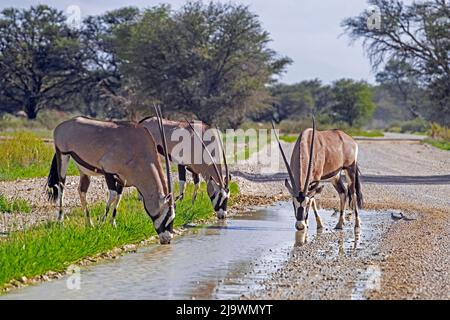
x: 53, y: 181
x: 359, y: 195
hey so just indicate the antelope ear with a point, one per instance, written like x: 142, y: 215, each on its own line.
x: 288, y: 186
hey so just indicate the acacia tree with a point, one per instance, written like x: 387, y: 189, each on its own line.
x: 402, y: 82
x: 107, y: 92
x: 353, y: 102
x: 417, y: 34
x: 210, y: 60
x: 40, y: 59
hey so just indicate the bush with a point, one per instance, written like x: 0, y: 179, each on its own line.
x: 439, y: 132
x: 411, y: 126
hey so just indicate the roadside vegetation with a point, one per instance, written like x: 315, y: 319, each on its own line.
x: 54, y: 246
x: 439, y: 137
x: 14, y: 205
x: 25, y: 155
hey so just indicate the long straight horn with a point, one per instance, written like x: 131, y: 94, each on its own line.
x: 311, y: 158
x: 219, y: 174
x: 288, y: 167
x: 227, y: 173
x: 166, y: 155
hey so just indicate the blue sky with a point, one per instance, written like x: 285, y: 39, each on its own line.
x: 308, y: 31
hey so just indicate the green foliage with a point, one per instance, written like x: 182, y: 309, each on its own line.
x: 443, y: 145
x: 416, y: 35
x: 14, y: 205
x: 353, y: 102
x: 296, y: 101
x: 40, y: 59
x: 439, y: 136
x: 439, y: 132
x: 412, y: 126
x: 25, y: 155
x: 54, y: 246
x: 289, y: 138
x: 211, y: 60
x: 362, y: 133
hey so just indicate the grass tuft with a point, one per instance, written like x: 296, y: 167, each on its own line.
x: 14, y: 205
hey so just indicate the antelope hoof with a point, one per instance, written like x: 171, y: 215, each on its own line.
x: 319, y: 223
x: 165, y: 237
x: 301, y: 225
x: 221, y: 214
x: 113, y: 223
x: 340, y: 225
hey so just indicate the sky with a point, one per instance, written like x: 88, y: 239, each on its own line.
x: 307, y: 31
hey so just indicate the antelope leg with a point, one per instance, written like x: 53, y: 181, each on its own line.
x: 63, y: 162
x: 111, y: 183
x: 116, y: 204
x: 316, y: 213
x: 340, y: 188
x: 182, y: 179
x: 82, y: 190
x: 196, y: 178
x: 351, y: 174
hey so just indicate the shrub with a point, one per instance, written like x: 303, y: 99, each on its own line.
x: 14, y: 205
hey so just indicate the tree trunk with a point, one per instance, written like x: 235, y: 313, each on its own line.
x: 31, y: 108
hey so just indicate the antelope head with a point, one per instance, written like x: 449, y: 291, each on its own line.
x: 300, y: 197
x: 217, y: 187
x: 166, y: 213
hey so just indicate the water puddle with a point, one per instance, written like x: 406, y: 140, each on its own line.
x: 221, y: 261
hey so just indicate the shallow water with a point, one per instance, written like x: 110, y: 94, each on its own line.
x: 221, y: 261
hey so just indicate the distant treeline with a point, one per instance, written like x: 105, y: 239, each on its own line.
x: 213, y: 62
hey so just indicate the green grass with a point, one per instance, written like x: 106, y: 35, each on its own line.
x: 352, y: 132
x: 27, y: 156
x: 362, y: 133
x: 54, y: 246
x: 289, y: 138
x: 443, y: 145
x: 14, y: 205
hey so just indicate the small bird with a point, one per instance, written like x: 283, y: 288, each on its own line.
x: 400, y: 216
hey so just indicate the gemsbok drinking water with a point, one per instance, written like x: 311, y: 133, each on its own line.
x: 318, y: 156
x: 125, y: 154
x: 210, y: 169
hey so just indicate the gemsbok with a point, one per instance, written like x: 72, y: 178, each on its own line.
x: 217, y: 183
x: 326, y: 154
x: 125, y: 154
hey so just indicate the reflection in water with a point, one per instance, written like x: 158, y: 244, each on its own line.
x: 343, y: 240
x: 301, y: 238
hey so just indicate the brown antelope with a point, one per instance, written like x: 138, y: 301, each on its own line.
x: 217, y: 184
x: 125, y: 154
x: 326, y: 153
